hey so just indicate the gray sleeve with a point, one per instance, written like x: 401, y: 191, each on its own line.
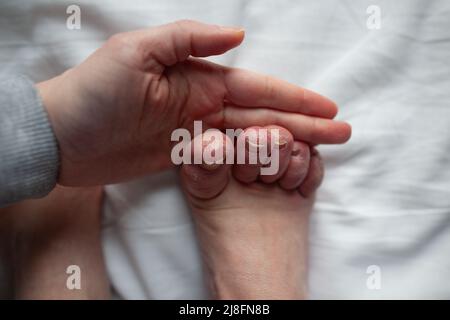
x: 28, y: 148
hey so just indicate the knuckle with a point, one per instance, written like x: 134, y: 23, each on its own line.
x: 185, y: 25
x: 313, y: 135
x: 124, y: 45
x: 269, y: 88
x: 304, y: 97
x: 119, y: 40
x: 266, y: 116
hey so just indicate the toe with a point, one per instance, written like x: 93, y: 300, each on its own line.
x: 298, y: 166
x: 315, y: 175
x: 207, y: 179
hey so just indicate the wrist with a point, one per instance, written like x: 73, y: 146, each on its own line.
x: 53, y: 95
x: 50, y: 96
x: 60, y: 102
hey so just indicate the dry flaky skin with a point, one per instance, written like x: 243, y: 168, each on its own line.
x: 253, y: 234
x: 254, y: 247
x: 113, y: 116
x: 43, y: 237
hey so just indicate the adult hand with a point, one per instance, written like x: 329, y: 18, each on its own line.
x: 113, y: 114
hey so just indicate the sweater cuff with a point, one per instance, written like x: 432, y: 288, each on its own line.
x: 29, y: 158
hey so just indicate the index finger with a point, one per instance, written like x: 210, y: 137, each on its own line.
x: 250, y: 89
x: 313, y: 130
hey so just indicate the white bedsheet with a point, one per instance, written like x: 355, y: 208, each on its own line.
x: 386, y: 197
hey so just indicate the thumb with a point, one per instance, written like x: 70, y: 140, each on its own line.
x: 208, y: 178
x: 176, y: 41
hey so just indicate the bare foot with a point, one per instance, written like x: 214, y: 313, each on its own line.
x: 47, y: 238
x: 253, y: 229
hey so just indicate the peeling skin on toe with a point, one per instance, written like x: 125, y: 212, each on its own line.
x: 211, y: 166
x: 281, y: 143
x: 301, y: 149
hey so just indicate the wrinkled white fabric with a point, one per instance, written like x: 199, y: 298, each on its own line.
x: 386, y: 197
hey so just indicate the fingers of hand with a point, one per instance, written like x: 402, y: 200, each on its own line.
x: 176, y: 41
x: 304, y: 128
x: 250, y: 89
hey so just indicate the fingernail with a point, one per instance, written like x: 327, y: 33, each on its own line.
x: 232, y: 29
